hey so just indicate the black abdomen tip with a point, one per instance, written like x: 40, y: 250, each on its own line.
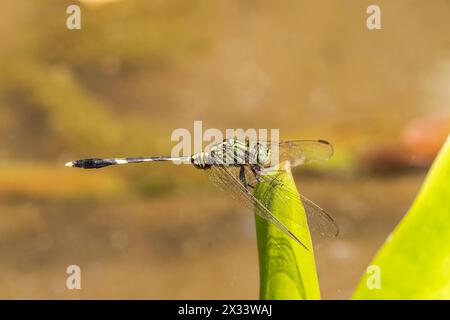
x: 92, y: 163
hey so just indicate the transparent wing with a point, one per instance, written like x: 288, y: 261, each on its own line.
x: 318, y: 220
x: 299, y: 152
x: 227, y: 178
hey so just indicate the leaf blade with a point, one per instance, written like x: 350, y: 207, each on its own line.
x: 287, y: 270
x: 415, y: 260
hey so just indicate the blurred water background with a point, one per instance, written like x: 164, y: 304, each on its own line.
x: 137, y: 70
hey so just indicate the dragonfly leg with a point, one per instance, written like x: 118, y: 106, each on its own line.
x: 242, y: 177
x: 256, y: 170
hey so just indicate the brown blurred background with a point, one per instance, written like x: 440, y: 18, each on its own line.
x: 137, y: 70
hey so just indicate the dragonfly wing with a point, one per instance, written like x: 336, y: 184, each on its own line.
x: 318, y: 219
x: 299, y: 152
x: 227, y: 178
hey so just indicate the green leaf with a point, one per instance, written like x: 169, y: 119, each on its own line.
x: 414, y: 263
x: 287, y: 270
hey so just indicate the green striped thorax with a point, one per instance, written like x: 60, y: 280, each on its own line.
x: 233, y: 152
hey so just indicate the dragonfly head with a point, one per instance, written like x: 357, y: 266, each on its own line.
x: 200, y: 160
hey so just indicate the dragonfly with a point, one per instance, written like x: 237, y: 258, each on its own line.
x: 237, y: 166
